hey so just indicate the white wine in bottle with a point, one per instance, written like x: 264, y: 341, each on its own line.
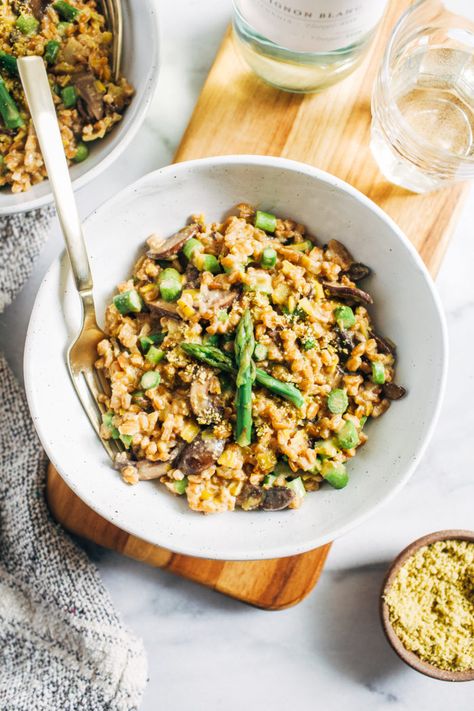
x: 305, y: 45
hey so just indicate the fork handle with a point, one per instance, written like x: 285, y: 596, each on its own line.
x: 38, y: 95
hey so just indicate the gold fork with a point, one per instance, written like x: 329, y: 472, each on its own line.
x: 113, y: 14
x: 88, y: 382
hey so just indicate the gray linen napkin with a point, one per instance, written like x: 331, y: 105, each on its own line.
x: 62, y: 645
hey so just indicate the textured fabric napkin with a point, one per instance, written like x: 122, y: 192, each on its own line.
x: 62, y: 645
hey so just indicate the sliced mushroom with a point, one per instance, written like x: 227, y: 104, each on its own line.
x: 341, y: 255
x: 251, y: 497
x: 193, y: 276
x: 122, y: 459
x: 206, y: 405
x: 151, y: 470
x: 384, y: 344
x: 358, y: 271
x: 163, y: 248
x: 38, y: 7
x: 200, y: 454
x: 344, y: 344
x: 393, y: 391
x: 163, y: 308
x: 215, y: 299
x: 277, y: 498
x: 255, y: 497
x: 349, y: 293
x: 85, y: 84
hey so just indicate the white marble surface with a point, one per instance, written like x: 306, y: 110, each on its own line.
x: 208, y: 652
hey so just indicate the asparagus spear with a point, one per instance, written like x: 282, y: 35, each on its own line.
x: 288, y: 391
x: 213, y: 356
x: 244, y: 346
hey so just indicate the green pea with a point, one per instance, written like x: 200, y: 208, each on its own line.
x: 82, y: 152
x: 69, y: 96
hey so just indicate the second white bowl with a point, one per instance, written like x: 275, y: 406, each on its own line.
x: 140, y: 66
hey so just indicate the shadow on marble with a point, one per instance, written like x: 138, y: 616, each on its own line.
x: 351, y: 632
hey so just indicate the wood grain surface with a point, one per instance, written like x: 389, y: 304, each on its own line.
x: 237, y: 113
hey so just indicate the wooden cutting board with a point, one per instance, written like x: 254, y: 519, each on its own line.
x: 237, y: 113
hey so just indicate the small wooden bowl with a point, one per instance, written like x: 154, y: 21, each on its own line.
x: 405, y: 655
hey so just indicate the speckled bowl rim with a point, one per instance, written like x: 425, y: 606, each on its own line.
x: 410, y: 658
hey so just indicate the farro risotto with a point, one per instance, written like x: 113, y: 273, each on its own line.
x: 75, y: 43
x: 243, y: 364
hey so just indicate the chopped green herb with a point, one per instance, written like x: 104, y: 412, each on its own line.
x: 126, y: 440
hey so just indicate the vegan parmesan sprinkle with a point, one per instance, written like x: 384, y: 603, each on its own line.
x: 431, y: 604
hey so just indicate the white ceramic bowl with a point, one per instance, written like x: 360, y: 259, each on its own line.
x: 140, y: 66
x: 406, y: 308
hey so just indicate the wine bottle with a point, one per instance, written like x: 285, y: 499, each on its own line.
x: 305, y: 45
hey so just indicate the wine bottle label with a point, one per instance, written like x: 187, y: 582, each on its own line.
x: 312, y: 25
